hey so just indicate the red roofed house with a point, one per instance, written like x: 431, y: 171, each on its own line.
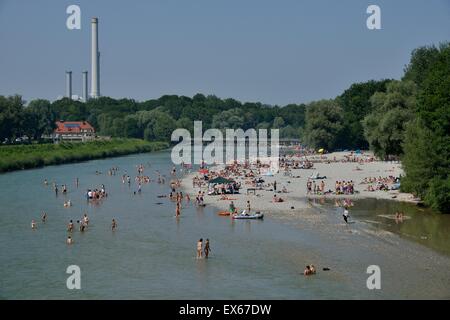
x: 74, y: 130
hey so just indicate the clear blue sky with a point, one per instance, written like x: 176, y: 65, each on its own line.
x: 276, y: 52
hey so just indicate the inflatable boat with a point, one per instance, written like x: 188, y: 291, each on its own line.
x: 257, y: 215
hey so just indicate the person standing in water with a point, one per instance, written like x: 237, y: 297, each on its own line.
x: 345, y: 214
x: 248, y: 207
x: 44, y: 217
x: 33, y: 224
x: 232, y: 208
x: 69, y: 240
x: 82, y: 225
x: 113, y: 225
x: 85, y: 219
x: 199, y: 248
x: 207, y: 248
x: 178, y: 210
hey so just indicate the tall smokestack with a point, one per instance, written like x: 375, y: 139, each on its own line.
x: 69, y: 84
x: 84, y: 88
x: 95, y: 66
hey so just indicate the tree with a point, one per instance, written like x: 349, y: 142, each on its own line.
x: 45, y: 117
x: 11, y: 117
x: 384, y: 127
x: 426, y: 159
x: 229, y: 119
x: 185, y: 123
x: 130, y: 127
x: 421, y: 60
x: 278, y: 122
x: 323, y: 124
x: 355, y: 103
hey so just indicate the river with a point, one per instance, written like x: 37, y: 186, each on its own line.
x: 151, y: 255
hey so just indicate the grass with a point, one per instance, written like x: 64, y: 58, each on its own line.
x: 18, y: 157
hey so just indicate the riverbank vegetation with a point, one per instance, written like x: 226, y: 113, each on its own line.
x: 405, y: 119
x: 16, y: 157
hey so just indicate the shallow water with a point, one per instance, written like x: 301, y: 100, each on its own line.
x: 152, y: 255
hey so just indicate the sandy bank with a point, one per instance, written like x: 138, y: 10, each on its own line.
x: 295, y: 183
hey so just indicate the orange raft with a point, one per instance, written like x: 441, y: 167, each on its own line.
x: 223, y: 213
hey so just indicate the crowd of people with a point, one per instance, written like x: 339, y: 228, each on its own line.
x: 344, y: 187
x: 381, y: 183
x: 96, y: 194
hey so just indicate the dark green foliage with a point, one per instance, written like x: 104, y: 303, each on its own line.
x: 427, y: 145
x: 355, y: 103
x: 384, y: 127
x: 324, y: 124
x: 35, y: 155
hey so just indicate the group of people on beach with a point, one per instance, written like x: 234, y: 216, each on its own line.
x: 344, y: 187
x: 380, y: 183
x: 313, y: 188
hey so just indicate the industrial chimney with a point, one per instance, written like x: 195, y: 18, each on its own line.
x: 69, y: 84
x: 84, y: 88
x: 95, y: 63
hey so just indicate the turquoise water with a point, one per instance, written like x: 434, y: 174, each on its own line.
x: 152, y: 255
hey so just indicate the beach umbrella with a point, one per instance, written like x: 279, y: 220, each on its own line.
x: 221, y: 180
x: 203, y: 171
x: 321, y: 150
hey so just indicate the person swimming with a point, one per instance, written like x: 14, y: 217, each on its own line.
x: 70, y: 226
x: 307, y: 271
x: 69, y: 240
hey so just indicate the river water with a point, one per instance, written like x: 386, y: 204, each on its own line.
x: 152, y: 255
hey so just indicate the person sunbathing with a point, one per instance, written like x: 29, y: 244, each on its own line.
x: 276, y: 199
